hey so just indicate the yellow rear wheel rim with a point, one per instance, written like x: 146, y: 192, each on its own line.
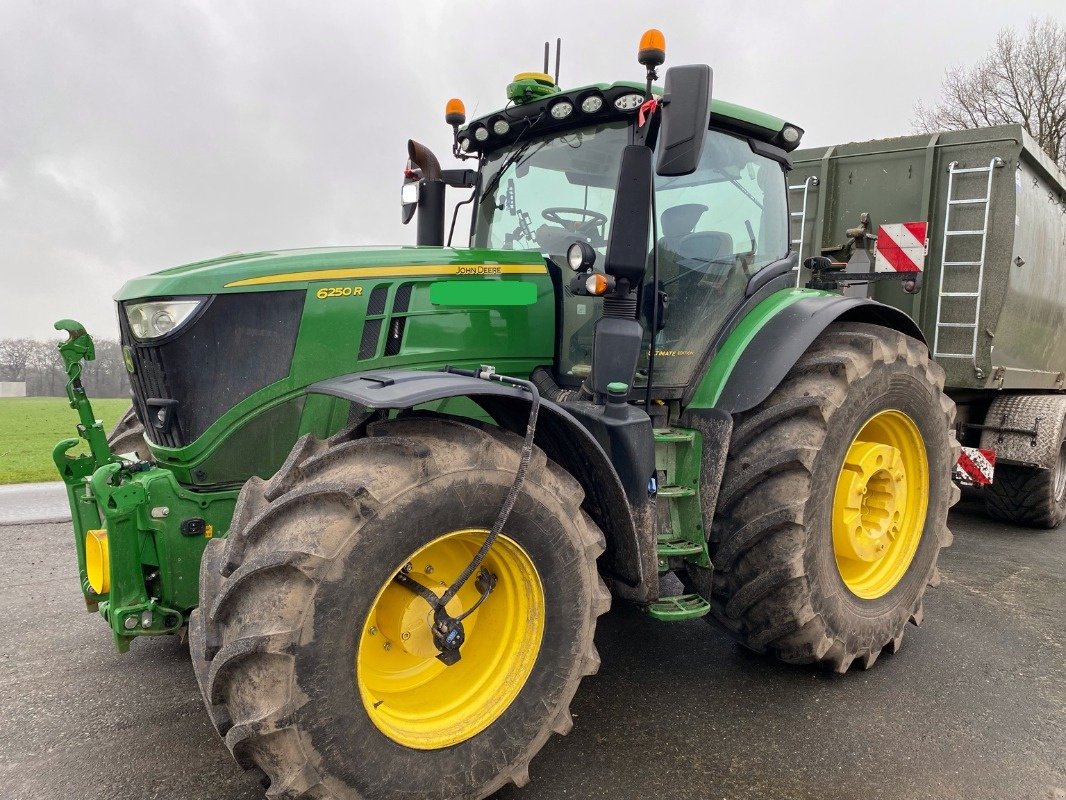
x: 411, y: 696
x: 880, y: 504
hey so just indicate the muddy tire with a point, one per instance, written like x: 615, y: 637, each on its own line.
x: 284, y: 630
x: 128, y: 436
x: 1026, y: 496
x: 776, y: 585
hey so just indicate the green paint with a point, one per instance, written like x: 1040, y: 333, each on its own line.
x: 721, y: 367
x: 212, y: 276
x: 470, y: 294
x: 678, y: 454
x: 679, y: 608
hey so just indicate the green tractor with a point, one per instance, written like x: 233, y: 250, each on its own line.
x: 390, y: 491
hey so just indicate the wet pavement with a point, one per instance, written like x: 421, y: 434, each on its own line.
x: 973, y: 707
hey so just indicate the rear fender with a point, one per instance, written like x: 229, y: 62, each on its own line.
x: 752, y: 363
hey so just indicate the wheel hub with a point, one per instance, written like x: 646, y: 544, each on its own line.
x: 880, y: 504
x: 421, y: 701
x: 866, y: 517
x: 406, y: 620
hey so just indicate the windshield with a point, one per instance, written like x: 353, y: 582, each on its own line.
x: 546, y: 193
x: 716, y: 228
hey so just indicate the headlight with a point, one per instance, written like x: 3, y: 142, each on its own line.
x: 629, y: 102
x: 500, y: 127
x: 562, y: 109
x: 481, y: 133
x: 790, y: 134
x: 159, y: 317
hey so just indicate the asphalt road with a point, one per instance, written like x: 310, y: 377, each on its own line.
x: 33, y: 502
x: 973, y: 707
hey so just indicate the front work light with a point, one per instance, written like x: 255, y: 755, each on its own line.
x: 155, y: 318
x: 580, y: 256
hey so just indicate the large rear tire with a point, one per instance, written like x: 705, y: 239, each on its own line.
x: 824, y: 543
x: 317, y: 667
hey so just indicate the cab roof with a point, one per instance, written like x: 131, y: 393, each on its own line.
x: 617, y: 101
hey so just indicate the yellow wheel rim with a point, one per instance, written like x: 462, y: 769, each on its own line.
x: 411, y: 696
x: 880, y: 504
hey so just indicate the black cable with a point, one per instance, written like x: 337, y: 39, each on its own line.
x: 448, y: 632
x: 512, y: 494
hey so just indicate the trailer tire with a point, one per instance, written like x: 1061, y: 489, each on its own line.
x: 286, y: 642
x: 128, y: 436
x: 1028, y: 495
x: 778, y: 585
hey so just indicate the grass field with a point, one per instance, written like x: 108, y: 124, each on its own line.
x: 30, y: 428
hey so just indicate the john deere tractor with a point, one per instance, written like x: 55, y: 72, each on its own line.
x: 389, y: 491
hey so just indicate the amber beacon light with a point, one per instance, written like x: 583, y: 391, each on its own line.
x: 652, y: 50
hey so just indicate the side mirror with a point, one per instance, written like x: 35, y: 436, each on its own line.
x: 686, y: 116
x: 408, y: 200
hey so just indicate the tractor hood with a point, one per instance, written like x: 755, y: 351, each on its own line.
x: 289, y: 269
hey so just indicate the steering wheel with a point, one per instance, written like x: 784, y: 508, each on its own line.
x: 587, y: 218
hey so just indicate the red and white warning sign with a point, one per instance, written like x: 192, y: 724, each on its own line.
x: 975, y: 467
x: 901, y: 247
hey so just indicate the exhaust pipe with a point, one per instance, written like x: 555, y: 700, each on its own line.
x: 430, y: 228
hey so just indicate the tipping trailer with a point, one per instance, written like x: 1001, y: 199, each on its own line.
x: 992, y: 295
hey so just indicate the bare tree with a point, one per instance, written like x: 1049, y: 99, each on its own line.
x: 15, y: 357
x: 1021, y: 80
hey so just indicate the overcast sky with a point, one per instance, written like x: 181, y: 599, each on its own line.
x: 142, y: 134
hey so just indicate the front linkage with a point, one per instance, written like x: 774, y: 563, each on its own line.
x: 138, y: 534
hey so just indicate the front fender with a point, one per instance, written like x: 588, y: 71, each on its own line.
x: 759, y: 353
x: 630, y: 556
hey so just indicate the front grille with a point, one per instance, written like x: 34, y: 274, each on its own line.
x: 233, y: 347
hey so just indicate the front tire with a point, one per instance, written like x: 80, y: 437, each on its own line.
x: 824, y: 542
x: 311, y: 659
x: 128, y: 436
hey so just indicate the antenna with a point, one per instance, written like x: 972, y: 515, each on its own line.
x: 558, y: 48
x: 545, y: 58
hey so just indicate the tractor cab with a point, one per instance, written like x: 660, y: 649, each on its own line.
x: 550, y: 174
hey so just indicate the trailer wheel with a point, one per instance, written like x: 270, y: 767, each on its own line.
x: 128, y: 436
x: 319, y: 669
x: 834, y: 503
x: 1029, y: 496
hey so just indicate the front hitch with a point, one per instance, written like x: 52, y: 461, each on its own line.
x: 77, y: 348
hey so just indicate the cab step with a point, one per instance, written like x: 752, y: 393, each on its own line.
x: 678, y: 608
x: 671, y: 544
x: 675, y: 435
x: 676, y: 491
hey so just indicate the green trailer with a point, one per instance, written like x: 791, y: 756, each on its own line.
x: 389, y: 491
x: 992, y: 300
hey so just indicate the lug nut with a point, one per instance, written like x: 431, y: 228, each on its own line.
x: 373, y: 631
x: 429, y: 569
x: 405, y: 636
x: 388, y: 646
x: 408, y: 567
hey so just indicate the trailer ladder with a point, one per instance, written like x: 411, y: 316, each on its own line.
x: 984, y: 204
x: 801, y: 215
